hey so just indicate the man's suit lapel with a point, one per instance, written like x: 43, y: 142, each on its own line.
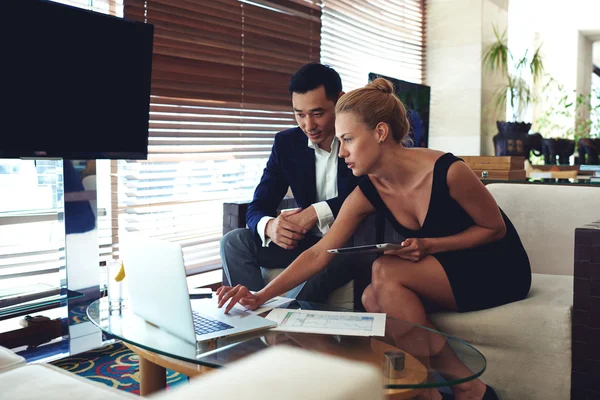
x: 308, y: 173
x: 343, y: 177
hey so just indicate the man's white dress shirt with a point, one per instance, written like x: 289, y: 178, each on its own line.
x: 326, y: 165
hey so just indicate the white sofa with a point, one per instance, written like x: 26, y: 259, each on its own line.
x: 278, y: 373
x: 528, y: 344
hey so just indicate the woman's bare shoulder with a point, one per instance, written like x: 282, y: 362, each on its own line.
x: 427, y: 155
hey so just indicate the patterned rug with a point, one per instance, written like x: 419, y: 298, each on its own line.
x: 114, y: 365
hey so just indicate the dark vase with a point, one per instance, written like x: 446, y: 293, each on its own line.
x: 588, y: 150
x: 512, y: 139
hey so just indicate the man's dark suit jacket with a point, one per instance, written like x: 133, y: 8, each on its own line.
x: 292, y: 164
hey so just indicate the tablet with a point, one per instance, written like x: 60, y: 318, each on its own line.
x: 369, y: 249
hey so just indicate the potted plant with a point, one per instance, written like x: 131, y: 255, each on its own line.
x: 519, y: 74
x: 573, y: 117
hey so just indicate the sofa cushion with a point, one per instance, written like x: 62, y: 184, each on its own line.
x: 284, y: 372
x: 51, y: 383
x: 342, y: 297
x: 528, y: 341
x: 9, y: 360
x: 545, y: 217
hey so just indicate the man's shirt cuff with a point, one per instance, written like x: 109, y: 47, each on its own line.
x: 260, y: 228
x: 324, y: 216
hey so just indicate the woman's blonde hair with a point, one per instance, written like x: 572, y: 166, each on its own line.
x: 375, y: 103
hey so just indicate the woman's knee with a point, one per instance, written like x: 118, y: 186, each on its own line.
x: 379, y: 268
x: 369, y: 300
x: 385, y: 268
x: 387, y: 290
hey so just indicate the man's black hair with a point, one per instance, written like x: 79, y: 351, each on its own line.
x: 313, y: 75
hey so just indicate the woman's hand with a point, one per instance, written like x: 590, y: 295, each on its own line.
x: 239, y: 294
x: 413, y: 250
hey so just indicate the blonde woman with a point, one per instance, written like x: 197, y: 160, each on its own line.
x: 462, y: 253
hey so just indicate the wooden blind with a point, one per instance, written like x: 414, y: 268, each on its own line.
x: 219, y: 94
x: 385, y: 37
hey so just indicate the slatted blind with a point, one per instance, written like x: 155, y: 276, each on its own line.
x: 219, y: 95
x: 385, y: 37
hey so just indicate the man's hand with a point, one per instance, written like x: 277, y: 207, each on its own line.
x: 283, y: 232
x: 306, y: 218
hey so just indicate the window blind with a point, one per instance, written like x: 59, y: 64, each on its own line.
x: 219, y: 95
x: 385, y: 37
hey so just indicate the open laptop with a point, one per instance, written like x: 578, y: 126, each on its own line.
x: 158, y: 293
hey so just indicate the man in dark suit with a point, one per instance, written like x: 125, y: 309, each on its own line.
x: 306, y: 160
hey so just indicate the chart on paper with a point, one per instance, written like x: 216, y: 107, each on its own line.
x: 345, y: 323
x: 348, y: 322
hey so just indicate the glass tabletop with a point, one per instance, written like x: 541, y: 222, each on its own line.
x: 34, y: 297
x: 410, y: 356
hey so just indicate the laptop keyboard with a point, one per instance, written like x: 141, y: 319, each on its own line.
x: 204, y: 325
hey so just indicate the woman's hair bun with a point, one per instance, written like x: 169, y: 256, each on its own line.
x: 383, y: 85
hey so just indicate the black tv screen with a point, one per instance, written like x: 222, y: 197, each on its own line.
x: 75, y: 83
x: 415, y: 98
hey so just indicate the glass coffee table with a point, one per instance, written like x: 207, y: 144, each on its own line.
x: 413, y: 358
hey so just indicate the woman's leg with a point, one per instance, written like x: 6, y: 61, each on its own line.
x: 369, y: 300
x: 399, y: 288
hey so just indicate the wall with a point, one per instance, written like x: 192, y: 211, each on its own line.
x: 494, y: 14
x: 585, y: 68
x: 457, y: 32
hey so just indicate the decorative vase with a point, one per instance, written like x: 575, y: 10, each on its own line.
x: 512, y: 138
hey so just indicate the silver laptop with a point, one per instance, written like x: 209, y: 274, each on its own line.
x: 158, y: 293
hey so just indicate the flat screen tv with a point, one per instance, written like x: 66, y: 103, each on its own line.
x: 415, y: 98
x: 75, y: 84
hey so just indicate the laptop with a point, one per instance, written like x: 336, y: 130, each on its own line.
x: 158, y: 293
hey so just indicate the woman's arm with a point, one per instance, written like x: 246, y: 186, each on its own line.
x: 312, y: 261
x: 355, y: 208
x: 466, y: 188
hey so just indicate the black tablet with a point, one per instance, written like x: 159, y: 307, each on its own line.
x: 369, y: 249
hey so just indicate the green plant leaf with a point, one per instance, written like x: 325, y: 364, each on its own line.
x: 536, y: 66
x: 497, y: 55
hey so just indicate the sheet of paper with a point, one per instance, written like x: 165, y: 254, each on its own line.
x: 328, y: 322
x: 267, y: 306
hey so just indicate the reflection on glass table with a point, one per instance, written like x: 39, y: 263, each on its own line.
x: 19, y: 300
x: 412, y: 358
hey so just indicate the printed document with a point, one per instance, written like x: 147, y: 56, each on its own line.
x: 328, y: 322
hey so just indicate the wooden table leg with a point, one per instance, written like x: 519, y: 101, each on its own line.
x: 153, y: 377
